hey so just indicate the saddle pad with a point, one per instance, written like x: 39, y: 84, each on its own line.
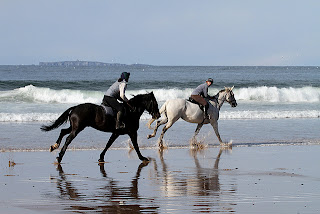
x: 108, y: 110
x: 195, y: 102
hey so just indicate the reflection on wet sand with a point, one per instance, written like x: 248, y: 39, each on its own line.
x: 203, y: 184
x: 163, y: 188
x: 111, y: 198
x: 113, y: 191
x: 65, y: 187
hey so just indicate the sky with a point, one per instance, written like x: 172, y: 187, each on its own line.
x: 166, y: 32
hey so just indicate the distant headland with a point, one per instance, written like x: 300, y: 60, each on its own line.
x: 87, y: 64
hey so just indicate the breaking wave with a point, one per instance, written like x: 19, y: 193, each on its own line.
x: 269, y: 114
x: 28, y: 117
x: 40, y: 117
x: 274, y: 94
x: 31, y: 93
x: 37, y: 117
x: 39, y: 97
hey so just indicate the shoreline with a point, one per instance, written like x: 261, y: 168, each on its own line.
x: 28, y: 136
x: 266, y: 179
x: 202, y: 146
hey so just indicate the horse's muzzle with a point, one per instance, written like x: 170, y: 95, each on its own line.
x: 234, y: 104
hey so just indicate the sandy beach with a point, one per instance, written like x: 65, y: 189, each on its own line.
x: 260, y: 57
x: 254, y: 179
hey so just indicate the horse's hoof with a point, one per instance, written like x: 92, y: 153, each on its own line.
x: 226, y: 145
x: 54, y: 147
x: 58, y: 160
x: 161, y: 146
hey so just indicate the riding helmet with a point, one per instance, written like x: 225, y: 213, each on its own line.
x: 125, y: 76
x: 210, y: 80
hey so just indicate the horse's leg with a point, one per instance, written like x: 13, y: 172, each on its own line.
x: 76, y: 128
x: 113, y: 137
x: 62, y: 134
x: 134, y: 141
x: 167, y: 126
x: 199, y: 126
x: 193, y: 140
x: 158, y: 123
x: 214, y: 124
x: 71, y: 136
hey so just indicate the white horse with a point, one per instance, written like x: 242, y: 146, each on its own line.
x: 174, y: 109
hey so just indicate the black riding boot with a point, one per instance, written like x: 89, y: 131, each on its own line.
x: 206, y: 116
x: 119, y: 123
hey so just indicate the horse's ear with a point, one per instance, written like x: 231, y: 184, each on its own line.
x: 226, y: 88
x: 232, y: 88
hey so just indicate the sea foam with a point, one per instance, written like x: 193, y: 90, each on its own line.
x: 274, y: 94
x: 269, y: 114
x: 28, y: 117
x: 31, y: 93
x: 229, y: 115
x: 250, y: 94
x: 35, y: 94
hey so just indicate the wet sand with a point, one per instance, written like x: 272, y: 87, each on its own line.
x: 256, y: 179
x: 28, y: 136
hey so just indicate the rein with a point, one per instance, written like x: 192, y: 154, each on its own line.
x: 142, y: 100
x: 221, y: 101
x: 216, y: 97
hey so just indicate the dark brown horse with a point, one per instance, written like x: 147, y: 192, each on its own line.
x: 91, y: 115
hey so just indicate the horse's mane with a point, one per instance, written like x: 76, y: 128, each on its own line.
x: 137, y: 99
x: 220, y: 92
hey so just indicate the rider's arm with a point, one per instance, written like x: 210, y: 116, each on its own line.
x: 122, y: 88
x: 205, y: 91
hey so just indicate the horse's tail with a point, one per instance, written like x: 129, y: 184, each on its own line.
x: 163, y: 109
x: 61, y: 120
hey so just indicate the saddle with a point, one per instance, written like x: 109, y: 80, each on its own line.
x: 195, y: 102
x: 108, y: 110
x: 111, y: 111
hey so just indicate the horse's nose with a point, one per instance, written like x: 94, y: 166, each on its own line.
x: 157, y: 115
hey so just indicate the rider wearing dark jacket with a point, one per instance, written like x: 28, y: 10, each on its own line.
x: 117, y: 92
x: 200, y: 93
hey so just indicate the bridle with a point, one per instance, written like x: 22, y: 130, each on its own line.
x: 233, y: 101
x: 150, y: 107
x: 224, y: 98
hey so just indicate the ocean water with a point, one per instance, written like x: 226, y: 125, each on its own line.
x: 275, y: 104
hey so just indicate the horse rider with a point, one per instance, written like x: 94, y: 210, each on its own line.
x: 200, y: 93
x: 117, y: 92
